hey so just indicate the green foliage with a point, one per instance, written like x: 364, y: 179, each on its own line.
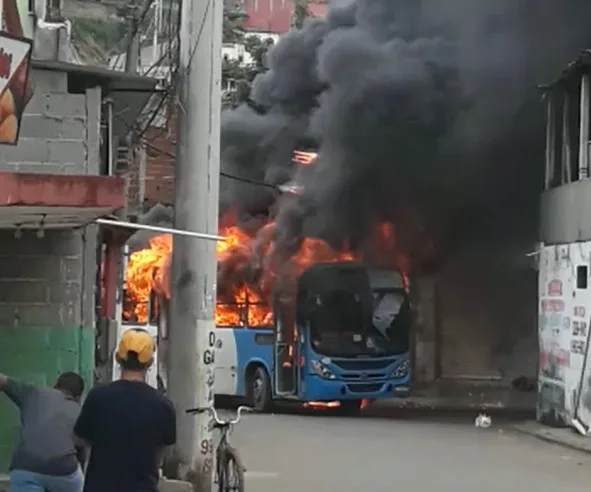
x: 240, y: 74
x: 233, y: 31
x: 300, y: 13
x: 105, y: 35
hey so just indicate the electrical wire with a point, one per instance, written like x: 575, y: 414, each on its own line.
x: 194, y: 48
x: 222, y: 173
x: 136, y: 27
x: 172, y: 62
x: 173, y: 85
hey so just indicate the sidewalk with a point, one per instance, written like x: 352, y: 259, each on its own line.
x: 454, y: 396
x: 564, y: 436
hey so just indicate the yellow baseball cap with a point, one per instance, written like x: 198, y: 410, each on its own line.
x: 138, y: 341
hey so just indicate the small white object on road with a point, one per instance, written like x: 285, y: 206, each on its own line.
x: 483, y: 421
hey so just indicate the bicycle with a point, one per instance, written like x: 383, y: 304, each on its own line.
x: 228, y: 463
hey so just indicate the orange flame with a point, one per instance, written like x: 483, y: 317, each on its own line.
x: 145, y: 272
x: 239, y: 302
x: 247, y: 270
x: 304, y: 158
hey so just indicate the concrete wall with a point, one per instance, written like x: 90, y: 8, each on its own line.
x: 565, y: 213
x: 59, y: 131
x: 46, y: 312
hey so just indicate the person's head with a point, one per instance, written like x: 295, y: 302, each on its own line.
x: 71, y: 384
x: 135, y: 352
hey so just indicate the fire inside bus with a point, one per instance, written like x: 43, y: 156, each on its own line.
x: 342, y: 340
x: 317, y: 327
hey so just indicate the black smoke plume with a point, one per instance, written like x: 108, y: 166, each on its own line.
x: 422, y: 105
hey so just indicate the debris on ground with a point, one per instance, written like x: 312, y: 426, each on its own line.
x: 483, y: 421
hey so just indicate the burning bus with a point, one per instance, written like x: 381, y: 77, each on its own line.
x: 342, y: 339
x: 320, y: 325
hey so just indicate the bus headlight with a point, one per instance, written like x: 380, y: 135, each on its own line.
x: 401, y: 371
x: 320, y: 369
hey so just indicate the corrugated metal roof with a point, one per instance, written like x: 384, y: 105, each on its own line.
x: 573, y: 71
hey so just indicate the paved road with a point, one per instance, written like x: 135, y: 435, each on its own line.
x: 309, y: 453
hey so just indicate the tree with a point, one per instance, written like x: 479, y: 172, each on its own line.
x: 232, y: 27
x: 300, y: 13
x: 238, y: 74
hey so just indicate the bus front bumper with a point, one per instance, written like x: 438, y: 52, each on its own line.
x: 320, y: 389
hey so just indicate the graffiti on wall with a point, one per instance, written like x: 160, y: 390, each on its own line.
x: 554, y: 325
x: 553, y: 321
x: 564, y: 386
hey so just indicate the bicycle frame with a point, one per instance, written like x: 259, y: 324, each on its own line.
x: 224, y: 452
x: 219, y: 453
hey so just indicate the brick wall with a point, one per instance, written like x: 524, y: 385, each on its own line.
x: 161, y: 148
x: 132, y: 180
x: 46, y: 312
x: 59, y: 131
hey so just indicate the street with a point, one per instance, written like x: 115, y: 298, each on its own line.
x: 290, y: 453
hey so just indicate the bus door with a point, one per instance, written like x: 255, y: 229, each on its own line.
x: 286, y: 350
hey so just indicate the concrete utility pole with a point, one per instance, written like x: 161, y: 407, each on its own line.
x: 133, y: 34
x: 194, y: 266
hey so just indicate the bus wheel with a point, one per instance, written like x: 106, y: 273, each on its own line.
x: 349, y: 408
x: 259, y: 390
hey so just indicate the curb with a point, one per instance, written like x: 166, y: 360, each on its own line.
x: 546, y: 437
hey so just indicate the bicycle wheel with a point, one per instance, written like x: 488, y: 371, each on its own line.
x: 230, y: 471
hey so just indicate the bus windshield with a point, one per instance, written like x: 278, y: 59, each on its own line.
x: 340, y: 326
x: 392, y: 320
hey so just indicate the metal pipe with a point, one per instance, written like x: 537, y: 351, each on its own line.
x: 584, y: 128
x: 165, y: 230
x: 565, y: 175
x: 550, y: 141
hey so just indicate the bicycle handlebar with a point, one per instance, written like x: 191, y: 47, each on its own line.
x: 216, y: 417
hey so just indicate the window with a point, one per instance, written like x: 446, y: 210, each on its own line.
x: 582, y: 277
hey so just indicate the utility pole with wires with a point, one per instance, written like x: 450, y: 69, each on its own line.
x: 194, y: 266
x: 133, y: 41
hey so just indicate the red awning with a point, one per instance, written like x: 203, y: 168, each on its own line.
x: 50, y: 201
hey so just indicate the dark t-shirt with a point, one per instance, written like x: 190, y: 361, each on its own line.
x: 126, y: 424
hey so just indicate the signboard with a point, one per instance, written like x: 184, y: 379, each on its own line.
x: 15, y: 93
x: 15, y: 57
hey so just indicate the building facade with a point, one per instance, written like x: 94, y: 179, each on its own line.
x: 59, y: 177
x: 564, y: 307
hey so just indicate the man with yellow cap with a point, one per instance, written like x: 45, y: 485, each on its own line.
x: 127, y: 424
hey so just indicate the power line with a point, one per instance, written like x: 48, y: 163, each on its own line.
x: 173, y: 85
x: 222, y: 173
x: 194, y: 49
